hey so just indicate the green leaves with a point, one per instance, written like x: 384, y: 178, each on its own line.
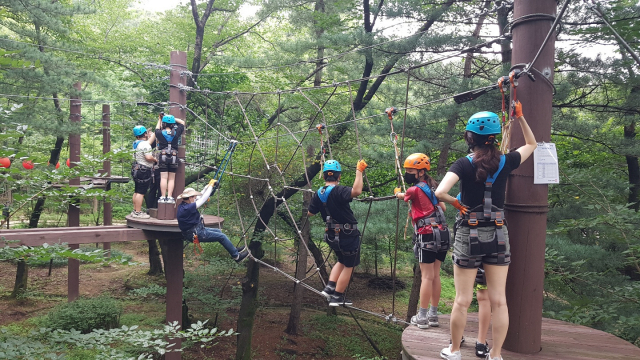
x: 46, y: 252
x: 54, y: 344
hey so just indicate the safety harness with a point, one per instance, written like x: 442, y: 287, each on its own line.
x: 323, y: 194
x: 487, y: 215
x: 436, y: 220
x: 168, y: 155
x: 139, y: 171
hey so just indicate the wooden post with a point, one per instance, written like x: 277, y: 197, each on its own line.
x: 176, y: 96
x: 173, y: 258
x: 73, y: 216
x: 106, y: 165
x: 526, y: 203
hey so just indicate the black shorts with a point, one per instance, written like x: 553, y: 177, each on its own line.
x: 142, y: 179
x: 172, y: 168
x: 425, y: 256
x: 347, y: 251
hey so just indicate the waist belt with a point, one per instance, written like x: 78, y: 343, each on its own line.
x: 344, y: 226
x: 194, y: 229
x: 168, y: 155
x: 441, y: 237
x: 427, y: 221
x: 137, y: 169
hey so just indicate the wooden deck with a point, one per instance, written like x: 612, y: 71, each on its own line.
x: 154, y: 224
x: 560, y: 340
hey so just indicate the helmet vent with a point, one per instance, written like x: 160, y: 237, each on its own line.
x: 481, y: 127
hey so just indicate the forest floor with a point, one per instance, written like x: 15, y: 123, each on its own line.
x: 320, y: 335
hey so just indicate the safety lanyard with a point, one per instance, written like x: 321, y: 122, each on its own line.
x: 225, y: 161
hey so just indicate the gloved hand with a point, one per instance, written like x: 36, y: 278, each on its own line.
x: 213, y: 183
x: 517, y: 109
x: 462, y: 208
x: 396, y: 191
x: 361, y: 165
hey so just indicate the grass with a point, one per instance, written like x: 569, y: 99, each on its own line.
x: 342, y: 336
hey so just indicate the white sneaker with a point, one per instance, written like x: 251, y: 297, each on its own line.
x: 162, y: 200
x: 170, y: 200
x: 490, y: 358
x: 448, y: 355
x: 421, y: 323
x: 143, y: 215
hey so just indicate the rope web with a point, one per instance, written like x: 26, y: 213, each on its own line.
x: 277, y: 188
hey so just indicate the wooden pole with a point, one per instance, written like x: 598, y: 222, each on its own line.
x: 526, y: 203
x: 73, y: 216
x: 173, y: 257
x: 106, y: 166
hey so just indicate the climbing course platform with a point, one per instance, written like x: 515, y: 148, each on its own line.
x: 154, y: 224
x: 560, y: 340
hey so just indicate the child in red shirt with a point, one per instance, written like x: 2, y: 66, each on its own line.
x: 430, y: 235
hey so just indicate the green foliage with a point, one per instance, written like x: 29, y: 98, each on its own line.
x: 43, y: 254
x: 588, y: 288
x: 153, y: 290
x: 60, y: 261
x: 343, y: 336
x: 85, y: 315
x: 108, y: 344
x: 203, y: 286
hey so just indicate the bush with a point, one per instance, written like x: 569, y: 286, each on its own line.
x: 59, y: 261
x: 85, y: 315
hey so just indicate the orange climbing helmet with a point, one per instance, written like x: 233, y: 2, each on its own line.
x: 417, y: 161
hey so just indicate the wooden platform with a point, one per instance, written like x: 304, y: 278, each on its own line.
x: 154, y: 224
x: 95, y: 182
x: 560, y: 340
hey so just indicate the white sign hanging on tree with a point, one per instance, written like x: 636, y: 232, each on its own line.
x: 545, y: 159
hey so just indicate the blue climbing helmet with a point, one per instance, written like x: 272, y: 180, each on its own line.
x: 139, y: 130
x: 170, y: 119
x: 484, y: 123
x: 331, y: 165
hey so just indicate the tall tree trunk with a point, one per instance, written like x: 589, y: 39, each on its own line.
x: 633, y: 168
x: 505, y: 45
x: 54, y: 156
x: 155, y: 265
x: 301, y: 269
x: 22, y: 276
x: 414, y: 296
x: 163, y: 253
x: 249, y: 304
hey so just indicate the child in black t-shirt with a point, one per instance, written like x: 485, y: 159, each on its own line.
x: 342, y: 234
x: 168, y: 134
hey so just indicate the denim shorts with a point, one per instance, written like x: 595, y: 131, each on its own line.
x: 461, y: 248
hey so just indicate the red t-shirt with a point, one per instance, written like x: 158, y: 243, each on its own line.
x: 421, y: 206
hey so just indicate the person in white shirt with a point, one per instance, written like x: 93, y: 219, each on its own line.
x: 142, y: 170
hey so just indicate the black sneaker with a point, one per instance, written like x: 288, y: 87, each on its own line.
x: 240, y: 248
x: 328, y: 291
x: 337, y: 300
x: 461, y: 341
x: 241, y: 256
x: 482, y: 350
